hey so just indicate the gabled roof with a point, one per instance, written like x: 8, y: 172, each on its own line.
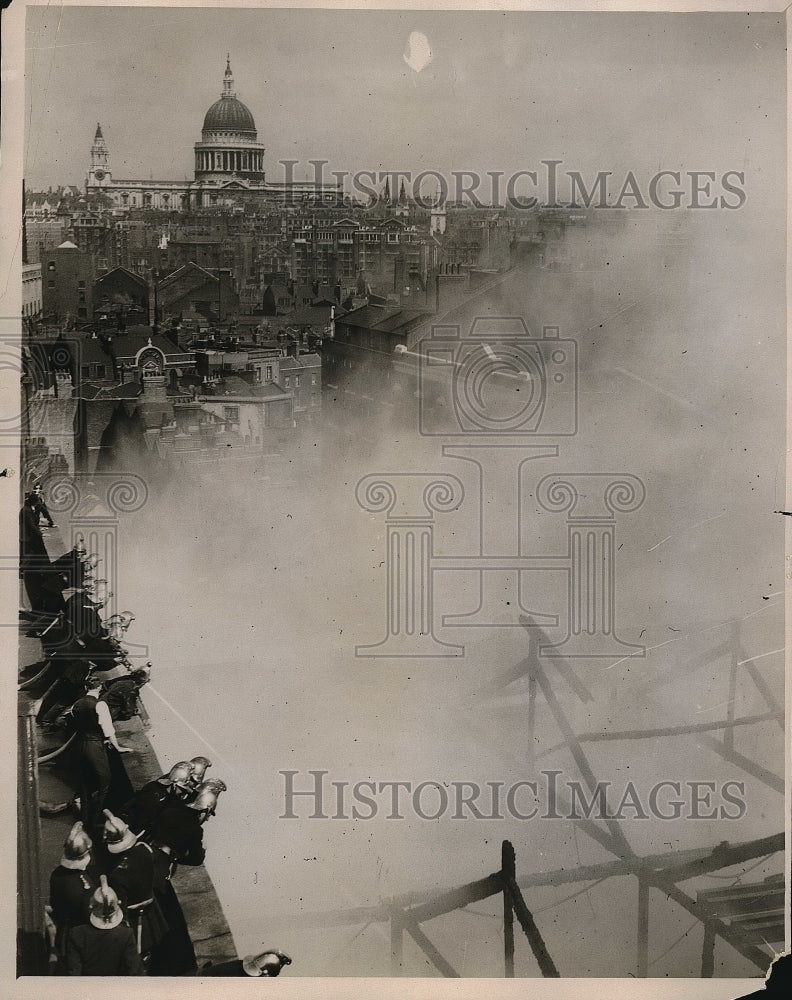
x: 180, y: 271
x: 127, y: 345
x: 300, y: 362
x: 138, y: 279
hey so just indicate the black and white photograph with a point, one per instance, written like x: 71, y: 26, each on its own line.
x: 395, y: 505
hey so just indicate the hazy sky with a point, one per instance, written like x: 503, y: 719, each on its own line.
x: 503, y: 91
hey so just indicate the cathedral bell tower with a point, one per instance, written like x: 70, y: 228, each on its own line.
x: 99, y: 170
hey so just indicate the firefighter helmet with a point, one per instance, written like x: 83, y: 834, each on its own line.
x: 267, y: 963
x: 200, y: 766
x: 77, y: 845
x: 117, y: 835
x: 217, y: 784
x: 105, y: 909
x: 180, y: 774
x: 205, y: 800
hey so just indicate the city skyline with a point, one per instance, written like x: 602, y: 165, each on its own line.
x: 588, y: 89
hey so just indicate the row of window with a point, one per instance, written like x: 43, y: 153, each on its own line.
x: 93, y: 371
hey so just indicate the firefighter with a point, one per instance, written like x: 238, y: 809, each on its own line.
x: 179, y: 827
x: 121, y: 694
x: 132, y: 879
x: 174, y: 955
x: 105, y: 946
x: 40, y: 507
x: 35, y: 566
x: 142, y: 811
x: 93, y: 725
x: 71, y: 888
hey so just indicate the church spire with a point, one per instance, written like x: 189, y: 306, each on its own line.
x: 99, y: 153
x: 228, y: 78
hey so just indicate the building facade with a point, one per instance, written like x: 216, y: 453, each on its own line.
x: 229, y: 164
x: 67, y: 276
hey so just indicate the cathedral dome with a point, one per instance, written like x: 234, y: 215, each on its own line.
x: 228, y: 114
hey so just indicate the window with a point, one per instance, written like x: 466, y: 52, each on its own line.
x: 296, y: 381
x: 313, y: 380
x: 85, y: 371
x: 100, y: 371
x: 269, y: 373
x: 50, y: 284
x: 287, y: 382
x: 231, y: 413
x: 51, y: 265
x: 81, y: 284
x: 393, y: 237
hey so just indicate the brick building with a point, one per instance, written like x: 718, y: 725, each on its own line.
x: 67, y: 284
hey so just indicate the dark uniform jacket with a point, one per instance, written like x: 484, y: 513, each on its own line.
x: 71, y: 567
x: 33, y: 551
x: 133, y: 882
x: 175, y: 955
x: 143, y: 809
x: 179, y: 828
x: 91, y: 951
x: 85, y: 720
x: 70, y: 895
x: 132, y: 878
x: 121, y: 697
x: 83, y: 618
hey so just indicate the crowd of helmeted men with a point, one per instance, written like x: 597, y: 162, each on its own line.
x: 113, y: 909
